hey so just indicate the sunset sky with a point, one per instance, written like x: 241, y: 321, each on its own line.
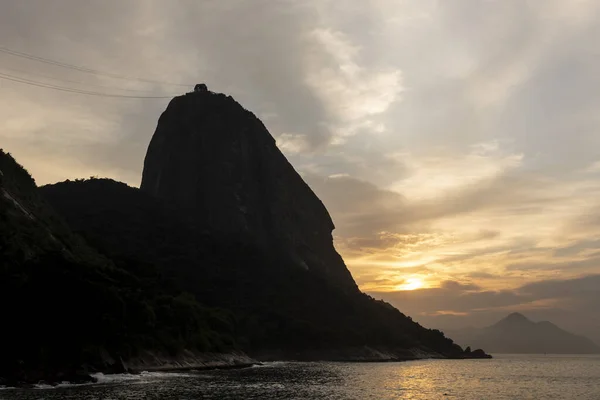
x: 455, y: 143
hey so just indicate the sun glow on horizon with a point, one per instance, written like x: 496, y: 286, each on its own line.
x: 411, y: 284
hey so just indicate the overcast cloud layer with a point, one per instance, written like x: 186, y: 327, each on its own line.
x: 455, y: 143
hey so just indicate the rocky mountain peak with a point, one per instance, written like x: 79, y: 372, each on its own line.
x: 516, y: 317
x: 513, y: 321
x: 217, y: 161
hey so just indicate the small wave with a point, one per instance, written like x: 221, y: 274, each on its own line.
x: 43, y: 386
x: 99, y: 377
x: 114, y: 378
x: 144, y: 376
x: 159, y: 374
x: 108, y: 379
x: 63, y: 384
x: 269, y: 364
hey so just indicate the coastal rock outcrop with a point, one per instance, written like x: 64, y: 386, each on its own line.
x: 217, y: 161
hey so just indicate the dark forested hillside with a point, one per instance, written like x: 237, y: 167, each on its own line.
x: 65, y: 305
x: 277, y: 306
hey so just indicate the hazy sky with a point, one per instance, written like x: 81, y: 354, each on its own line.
x: 456, y: 143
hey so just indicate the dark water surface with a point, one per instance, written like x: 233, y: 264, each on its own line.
x: 504, y: 377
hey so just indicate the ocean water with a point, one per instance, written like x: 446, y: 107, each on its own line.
x: 504, y: 377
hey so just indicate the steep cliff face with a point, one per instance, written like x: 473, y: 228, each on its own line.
x: 217, y: 161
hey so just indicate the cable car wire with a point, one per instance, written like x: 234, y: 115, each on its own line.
x: 5, y: 69
x: 85, y: 69
x: 73, y: 90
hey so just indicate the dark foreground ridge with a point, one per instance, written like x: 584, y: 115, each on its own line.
x: 69, y: 311
x: 224, y: 252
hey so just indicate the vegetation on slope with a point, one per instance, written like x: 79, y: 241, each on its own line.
x: 276, y: 305
x: 65, y: 305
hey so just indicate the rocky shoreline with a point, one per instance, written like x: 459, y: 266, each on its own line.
x: 150, y: 361
x: 364, y: 354
x: 188, y: 360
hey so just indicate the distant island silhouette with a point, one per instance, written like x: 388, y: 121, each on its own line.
x: 516, y: 334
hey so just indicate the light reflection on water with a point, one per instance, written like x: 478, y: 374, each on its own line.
x: 505, y: 377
